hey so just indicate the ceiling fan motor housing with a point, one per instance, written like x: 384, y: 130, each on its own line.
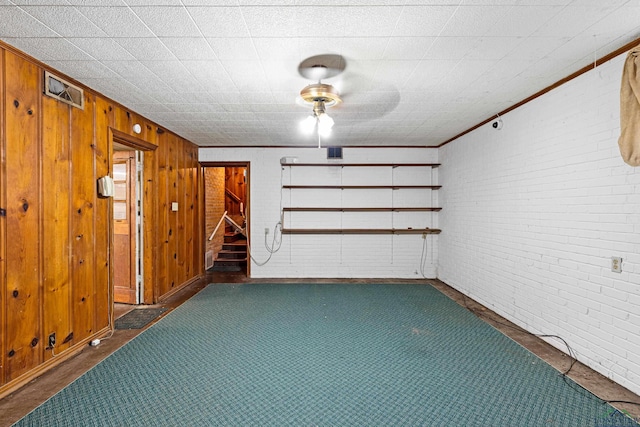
x: 321, y: 93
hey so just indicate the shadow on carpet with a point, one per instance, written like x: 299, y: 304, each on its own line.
x: 323, y: 355
x: 139, y: 318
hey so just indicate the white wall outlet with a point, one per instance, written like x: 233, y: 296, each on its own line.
x: 616, y: 264
x: 266, y: 230
x: 174, y: 206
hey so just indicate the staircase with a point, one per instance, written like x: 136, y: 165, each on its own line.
x: 233, y: 256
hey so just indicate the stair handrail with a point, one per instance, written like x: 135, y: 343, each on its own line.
x: 227, y: 218
x: 235, y: 224
x: 218, y: 226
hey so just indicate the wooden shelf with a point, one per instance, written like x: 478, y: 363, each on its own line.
x: 362, y: 187
x: 393, y: 165
x: 361, y: 209
x: 360, y: 231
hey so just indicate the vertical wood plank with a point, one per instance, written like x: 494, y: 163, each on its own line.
x: 189, y: 211
x: 199, y: 216
x: 162, y: 217
x: 198, y: 230
x: 172, y: 262
x: 102, y: 225
x: 23, y: 288
x: 150, y: 246
x: 3, y: 224
x: 184, y: 202
x: 56, y: 173
x: 82, y: 211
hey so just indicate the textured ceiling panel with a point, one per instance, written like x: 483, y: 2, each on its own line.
x: 225, y: 72
x: 66, y: 21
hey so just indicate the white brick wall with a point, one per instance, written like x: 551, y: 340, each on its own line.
x: 533, y: 213
x: 338, y: 256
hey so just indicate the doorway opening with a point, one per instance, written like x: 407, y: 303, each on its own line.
x: 127, y: 225
x: 226, y: 217
x: 131, y: 203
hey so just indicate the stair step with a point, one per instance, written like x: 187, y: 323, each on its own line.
x: 240, y: 245
x: 230, y: 254
x: 232, y: 237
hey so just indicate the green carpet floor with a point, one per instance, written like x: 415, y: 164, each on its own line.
x: 323, y: 355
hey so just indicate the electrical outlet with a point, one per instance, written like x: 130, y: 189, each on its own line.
x: 52, y: 340
x: 616, y: 264
x: 266, y: 230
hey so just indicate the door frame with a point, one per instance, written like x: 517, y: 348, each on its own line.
x: 246, y: 165
x: 134, y: 223
x: 147, y: 293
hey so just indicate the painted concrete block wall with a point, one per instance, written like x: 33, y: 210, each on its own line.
x: 337, y: 256
x: 533, y: 213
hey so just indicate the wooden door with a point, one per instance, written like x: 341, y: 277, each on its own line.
x: 124, y: 226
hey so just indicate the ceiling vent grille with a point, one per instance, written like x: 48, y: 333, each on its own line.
x: 62, y: 90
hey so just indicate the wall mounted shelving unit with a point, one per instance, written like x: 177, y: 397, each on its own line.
x: 326, y: 209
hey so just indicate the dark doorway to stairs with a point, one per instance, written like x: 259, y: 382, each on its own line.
x: 227, y: 207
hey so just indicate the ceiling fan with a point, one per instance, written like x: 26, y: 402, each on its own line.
x: 320, y: 95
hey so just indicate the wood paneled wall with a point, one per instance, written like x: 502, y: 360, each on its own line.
x: 55, y: 230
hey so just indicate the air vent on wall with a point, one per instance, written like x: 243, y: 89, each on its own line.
x: 62, y: 90
x: 334, y: 152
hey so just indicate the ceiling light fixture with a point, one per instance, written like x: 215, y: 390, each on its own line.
x: 321, y: 96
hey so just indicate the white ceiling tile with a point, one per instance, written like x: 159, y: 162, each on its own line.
x: 282, y: 76
x: 273, y: 21
x: 473, y: 20
x: 311, y: 46
x: 621, y: 21
x: 189, y: 48
x: 370, y: 21
x: 184, y: 84
x: 219, y: 21
x: 401, y: 83
x: 423, y: 20
x: 209, y: 2
x: 428, y: 73
x: 211, y: 74
x: 523, y: 20
x: 41, y: 2
x: 532, y: 47
x: 65, y: 20
x: 246, y: 75
x: 166, y: 70
x: 60, y: 49
x: 151, y: 49
x: 234, y: 48
x: 102, y: 48
x: 150, y: 108
x: 22, y: 24
x: 167, y: 21
x: 117, y: 22
x: 277, y: 48
x: 84, y: 69
x: 29, y: 46
x: 452, y: 48
x: 153, y: 2
x: 134, y: 71
x: 572, y: 20
x: 575, y: 49
x: 101, y: 3
x: 494, y: 48
x: 363, y: 48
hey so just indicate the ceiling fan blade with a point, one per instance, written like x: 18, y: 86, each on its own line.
x: 320, y: 67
